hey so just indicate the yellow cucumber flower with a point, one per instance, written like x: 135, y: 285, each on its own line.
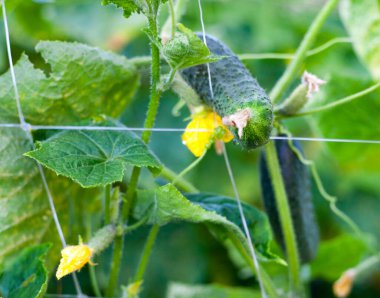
x: 74, y: 257
x: 199, y: 141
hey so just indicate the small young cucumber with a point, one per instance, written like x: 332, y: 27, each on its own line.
x: 298, y: 189
x: 238, y: 98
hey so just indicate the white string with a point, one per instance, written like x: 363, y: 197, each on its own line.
x: 232, y: 179
x: 328, y: 140
x: 26, y: 127
x: 245, y: 226
x: 169, y: 129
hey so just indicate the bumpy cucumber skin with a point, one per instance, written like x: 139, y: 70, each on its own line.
x: 297, y: 185
x: 234, y: 89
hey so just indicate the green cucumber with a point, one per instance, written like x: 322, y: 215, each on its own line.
x: 236, y: 94
x: 296, y: 177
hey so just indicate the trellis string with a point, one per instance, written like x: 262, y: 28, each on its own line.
x: 231, y: 176
x: 26, y: 127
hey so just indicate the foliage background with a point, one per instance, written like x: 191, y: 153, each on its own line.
x: 188, y: 253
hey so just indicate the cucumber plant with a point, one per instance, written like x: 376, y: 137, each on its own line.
x: 63, y: 110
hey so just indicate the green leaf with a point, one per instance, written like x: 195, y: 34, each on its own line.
x: 362, y: 20
x: 137, y: 6
x: 93, y: 158
x: 25, y: 214
x: 178, y: 290
x: 27, y: 276
x: 128, y: 6
x: 186, y: 49
x: 257, y: 221
x: 166, y: 204
x: 337, y: 255
x: 356, y: 120
x: 83, y: 82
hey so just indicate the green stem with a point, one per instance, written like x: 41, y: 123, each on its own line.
x: 129, y: 197
x: 179, y: 181
x: 155, y: 92
x: 107, y: 204
x: 372, y: 263
x: 291, y: 71
x: 338, y: 102
x: 285, y: 216
x: 115, y: 266
x: 268, y: 284
x: 189, y: 168
x: 146, y: 253
x: 283, y: 56
x: 317, y: 179
x: 169, y: 80
x: 149, y: 123
x: 172, y: 18
x: 94, y: 281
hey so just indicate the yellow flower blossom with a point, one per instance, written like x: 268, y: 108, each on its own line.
x: 199, y: 141
x: 73, y: 258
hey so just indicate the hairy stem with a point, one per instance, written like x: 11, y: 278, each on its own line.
x: 146, y: 253
x: 149, y: 123
x: 291, y: 71
x: 285, y: 217
x: 268, y: 284
x: 107, y: 204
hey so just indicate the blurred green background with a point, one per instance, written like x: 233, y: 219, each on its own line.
x: 187, y: 253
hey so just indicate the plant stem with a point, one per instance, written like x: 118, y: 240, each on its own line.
x: 107, y: 204
x: 149, y: 123
x: 94, y: 281
x: 338, y: 102
x: 269, y: 286
x: 179, y: 181
x: 291, y: 71
x: 115, y: 266
x: 284, y: 56
x: 372, y: 263
x: 172, y: 18
x: 155, y: 92
x: 146, y: 253
x: 129, y: 197
x: 189, y: 168
x: 285, y: 216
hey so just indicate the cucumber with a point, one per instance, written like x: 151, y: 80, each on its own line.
x: 298, y: 188
x: 238, y: 98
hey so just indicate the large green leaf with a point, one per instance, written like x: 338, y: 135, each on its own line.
x: 83, y: 82
x: 337, y: 255
x: 25, y: 214
x: 26, y: 277
x: 362, y: 20
x: 166, y: 204
x: 177, y: 290
x: 25, y: 217
x: 257, y: 221
x: 355, y: 120
x: 93, y: 158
